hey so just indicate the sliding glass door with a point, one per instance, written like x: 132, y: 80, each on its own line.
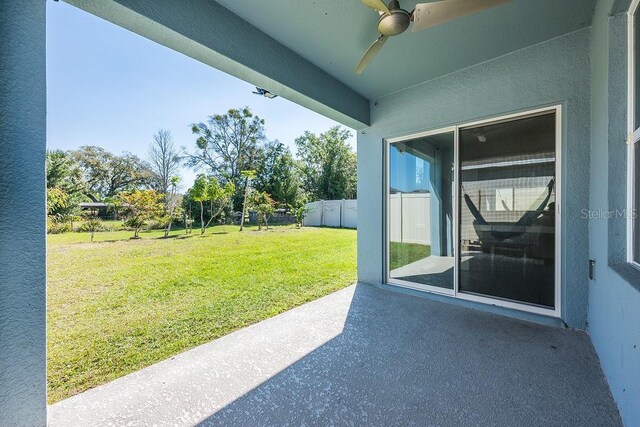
x: 507, y: 211
x: 420, y: 211
x: 471, y: 211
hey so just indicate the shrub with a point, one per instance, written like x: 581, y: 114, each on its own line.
x: 139, y: 207
x: 154, y: 225
x: 106, y: 226
x: 91, y: 226
x: 59, y: 227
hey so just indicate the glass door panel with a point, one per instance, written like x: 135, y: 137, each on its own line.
x: 420, y: 211
x: 507, y: 210
x: 636, y: 203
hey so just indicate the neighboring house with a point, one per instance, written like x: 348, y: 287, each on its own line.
x: 99, y: 209
x: 520, y: 121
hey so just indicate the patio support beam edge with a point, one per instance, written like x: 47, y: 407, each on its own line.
x: 210, y: 33
x: 23, y: 122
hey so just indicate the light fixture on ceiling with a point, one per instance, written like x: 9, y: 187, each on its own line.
x: 263, y: 92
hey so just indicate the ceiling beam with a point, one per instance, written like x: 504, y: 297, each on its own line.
x: 210, y: 33
x: 619, y: 6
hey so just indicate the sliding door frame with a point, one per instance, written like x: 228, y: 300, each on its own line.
x: 455, y: 292
x: 405, y: 283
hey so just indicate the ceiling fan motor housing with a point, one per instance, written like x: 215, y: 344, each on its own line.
x: 396, y: 23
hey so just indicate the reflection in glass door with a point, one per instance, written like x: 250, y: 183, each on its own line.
x: 507, y: 210
x: 471, y: 211
x: 420, y: 211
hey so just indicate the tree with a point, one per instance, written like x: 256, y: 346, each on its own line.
x: 187, y: 207
x: 278, y: 174
x: 65, y: 187
x: 64, y: 172
x: 248, y: 175
x: 209, y: 191
x: 57, y: 199
x: 63, y: 207
x: 164, y: 160
x: 263, y: 205
x: 328, y: 164
x: 299, y: 209
x: 107, y: 174
x: 91, y: 225
x: 138, y: 207
x: 228, y: 144
x: 200, y: 193
x: 172, y: 209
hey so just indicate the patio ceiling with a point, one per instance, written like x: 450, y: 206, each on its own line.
x: 306, y: 50
x: 334, y: 34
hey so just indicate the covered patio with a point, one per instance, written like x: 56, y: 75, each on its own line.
x: 375, y: 353
x: 365, y: 356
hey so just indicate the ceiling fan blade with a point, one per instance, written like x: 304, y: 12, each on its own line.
x: 377, y: 5
x: 370, y: 54
x: 427, y: 15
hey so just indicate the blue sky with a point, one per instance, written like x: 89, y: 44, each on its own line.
x: 407, y: 173
x: 113, y: 88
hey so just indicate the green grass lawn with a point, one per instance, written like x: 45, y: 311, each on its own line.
x: 118, y: 305
x: 401, y: 254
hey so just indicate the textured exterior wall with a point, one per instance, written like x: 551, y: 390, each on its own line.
x: 22, y: 235
x: 554, y: 72
x: 614, y: 297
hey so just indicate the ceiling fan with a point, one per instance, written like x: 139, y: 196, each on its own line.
x: 393, y: 20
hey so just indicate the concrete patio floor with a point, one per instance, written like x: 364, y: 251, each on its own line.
x: 364, y: 356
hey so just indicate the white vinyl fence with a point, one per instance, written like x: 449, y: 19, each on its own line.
x: 332, y: 213
x: 409, y: 218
